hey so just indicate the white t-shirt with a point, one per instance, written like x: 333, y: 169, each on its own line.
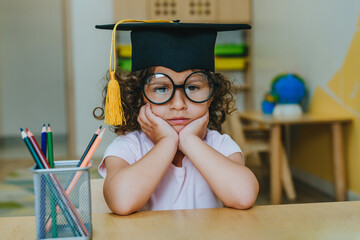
x: 181, y: 187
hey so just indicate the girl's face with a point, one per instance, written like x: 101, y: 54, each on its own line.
x: 179, y: 111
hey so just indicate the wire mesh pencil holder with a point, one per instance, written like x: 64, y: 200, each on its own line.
x: 63, y: 201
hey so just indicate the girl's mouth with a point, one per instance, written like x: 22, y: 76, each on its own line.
x: 178, y: 121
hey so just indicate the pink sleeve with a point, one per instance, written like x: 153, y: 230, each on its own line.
x: 228, y: 146
x: 123, y: 147
x: 223, y: 143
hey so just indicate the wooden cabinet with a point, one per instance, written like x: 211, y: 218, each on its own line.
x: 186, y: 10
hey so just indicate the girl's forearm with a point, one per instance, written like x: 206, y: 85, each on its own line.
x: 232, y: 182
x: 127, y: 191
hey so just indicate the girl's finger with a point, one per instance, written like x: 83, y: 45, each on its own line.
x: 140, y: 121
x: 144, y: 127
x: 142, y: 116
x: 149, y: 114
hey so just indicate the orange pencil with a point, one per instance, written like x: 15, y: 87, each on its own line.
x: 85, y: 162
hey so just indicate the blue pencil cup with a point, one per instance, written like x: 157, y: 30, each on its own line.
x: 62, y: 201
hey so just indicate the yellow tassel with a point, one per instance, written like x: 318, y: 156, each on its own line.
x: 114, y: 113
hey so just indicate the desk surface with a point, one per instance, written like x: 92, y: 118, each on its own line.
x: 303, y: 119
x: 337, y: 220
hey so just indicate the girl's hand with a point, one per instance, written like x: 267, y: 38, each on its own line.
x: 155, y: 127
x: 195, y: 128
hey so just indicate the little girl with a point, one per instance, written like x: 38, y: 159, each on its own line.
x: 169, y: 154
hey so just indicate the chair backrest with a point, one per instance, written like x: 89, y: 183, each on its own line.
x: 235, y: 129
x: 98, y: 204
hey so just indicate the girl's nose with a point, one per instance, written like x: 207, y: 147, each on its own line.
x: 178, y: 101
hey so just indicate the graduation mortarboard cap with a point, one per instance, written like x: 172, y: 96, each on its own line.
x: 172, y: 44
x: 175, y: 45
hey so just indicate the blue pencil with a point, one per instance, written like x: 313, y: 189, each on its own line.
x: 43, y: 140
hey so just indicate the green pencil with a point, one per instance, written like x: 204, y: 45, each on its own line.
x: 49, y: 139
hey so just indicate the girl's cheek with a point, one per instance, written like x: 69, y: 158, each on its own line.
x: 157, y: 111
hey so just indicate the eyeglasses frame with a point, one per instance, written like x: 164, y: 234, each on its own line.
x: 176, y: 86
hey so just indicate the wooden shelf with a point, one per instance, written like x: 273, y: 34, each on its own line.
x: 240, y: 88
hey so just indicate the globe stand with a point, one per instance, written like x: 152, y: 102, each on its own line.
x: 292, y: 110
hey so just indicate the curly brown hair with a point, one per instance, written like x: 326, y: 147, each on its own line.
x: 132, y: 99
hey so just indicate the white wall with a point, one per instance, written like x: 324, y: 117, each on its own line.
x: 307, y: 37
x: 31, y: 66
x: 91, y: 49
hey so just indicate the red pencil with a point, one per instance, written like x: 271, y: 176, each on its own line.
x: 37, y: 149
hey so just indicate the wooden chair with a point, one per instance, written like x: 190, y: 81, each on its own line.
x: 234, y: 128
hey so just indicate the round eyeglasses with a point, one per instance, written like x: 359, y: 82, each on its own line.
x: 159, y: 88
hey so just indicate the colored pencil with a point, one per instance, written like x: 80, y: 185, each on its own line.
x: 60, y: 191
x: 94, y: 141
x: 97, y: 132
x: 43, y: 139
x: 31, y: 149
x: 50, y: 146
x: 37, y: 149
x: 86, y: 161
x: 85, y: 152
x: 49, y: 139
x: 92, y: 149
x: 53, y: 217
x: 42, y: 187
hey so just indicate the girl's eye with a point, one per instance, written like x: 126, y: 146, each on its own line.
x: 192, y: 88
x: 161, y: 90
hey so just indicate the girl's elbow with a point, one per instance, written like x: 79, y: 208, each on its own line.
x: 244, y: 196
x: 244, y: 201
x: 243, y: 204
x: 122, y: 209
x: 119, y: 206
x: 240, y: 203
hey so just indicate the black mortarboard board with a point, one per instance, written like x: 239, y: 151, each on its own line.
x: 175, y: 45
x: 171, y: 44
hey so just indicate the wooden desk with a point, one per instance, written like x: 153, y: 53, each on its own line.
x: 338, y: 220
x: 336, y: 123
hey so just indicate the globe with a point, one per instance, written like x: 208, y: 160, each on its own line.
x: 289, y: 87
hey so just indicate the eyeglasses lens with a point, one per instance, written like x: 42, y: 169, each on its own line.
x: 199, y: 87
x: 158, y: 88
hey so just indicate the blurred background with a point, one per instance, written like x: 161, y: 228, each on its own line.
x: 53, y: 62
